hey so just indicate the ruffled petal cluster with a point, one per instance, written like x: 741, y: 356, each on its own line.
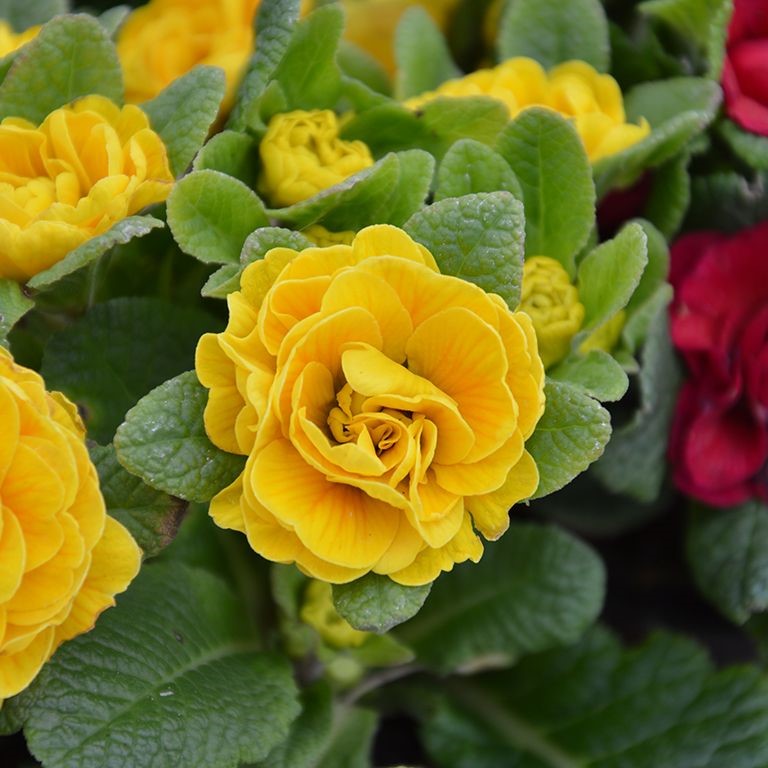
x: 11, y: 41
x: 552, y: 302
x: 62, y: 558
x: 383, y: 408
x: 302, y: 154
x: 593, y: 101
x: 87, y: 166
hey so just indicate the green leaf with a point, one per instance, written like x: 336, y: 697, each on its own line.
x: 549, y: 161
x: 163, y: 441
x: 727, y: 201
x: 677, y: 109
x: 184, y: 111
x: 670, y: 195
x: 728, y: 553
x: 413, y: 184
x: 71, y: 57
x: 597, y: 373
x: 275, y: 23
x: 170, y: 677
x: 152, y: 517
x: 222, y: 282
x: 375, y: 603
x: 232, y: 153
x: 535, y: 588
x: 352, y: 740
x: 552, y: 31
x: 571, y: 434
x: 211, y: 214
x: 22, y: 14
x: 127, y: 346
x: 310, y: 732
x: 113, y: 18
x: 469, y: 166
x: 358, y: 65
x: 13, y: 306
x: 634, y: 462
x: 609, y: 275
x: 657, y: 269
x: 595, y: 705
x: 308, y: 73
x: 120, y: 233
x: 421, y: 51
x: 476, y: 237
x: 749, y: 147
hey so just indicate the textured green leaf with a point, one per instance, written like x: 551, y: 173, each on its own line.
x: 13, y: 306
x: 359, y: 66
x: 571, y: 434
x: 184, y: 111
x: 113, y: 18
x: 469, y: 166
x: 670, y: 195
x: 413, y: 184
x: 421, y: 51
x: 749, y: 147
x: 476, y: 237
x: 211, y: 214
x: 168, y: 678
x: 222, y: 282
x: 596, y: 372
x: 308, y: 73
x: 552, y: 31
x: 275, y: 24
x: 310, y: 732
x: 596, y: 706
x: 22, y: 14
x: 163, y: 441
x: 728, y: 553
x: 127, y: 346
x: 535, y: 588
x: 549, y: 161
x: 609, y: 275
x: 230, y: 152
x: 71, y: 57
x: 657, y: 269
x: 152, y: 517
x: 634, y: 462
x: 376, y: 603
x: 727, y: 201
x: 352, y: 740
x: 120, y: 233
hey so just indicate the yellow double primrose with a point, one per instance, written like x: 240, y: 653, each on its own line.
x: 11, y: 41
x: 302, y: 154
x: 86, y: 167
x: 593, y: 102
x: 62, y: 558
x: 383, y: 408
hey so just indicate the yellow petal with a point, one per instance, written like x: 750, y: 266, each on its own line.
x: 17, y: 670
x: 12, y: 555
x: 386, y: 240
x: 30, y: 484
x: 225, y: 506
x: 9, y: 418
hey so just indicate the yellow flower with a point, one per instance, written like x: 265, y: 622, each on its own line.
x: 302, y: 154
x: 62, y: 559
x: 164, y: 39
x: 319, y: 612
x: 87, y: 166
x: 552, y: 302
x: 383, y: 408
x: 11, y: 41
x: 574, y: 89
x: 371, y: 24
x: 319, y: 235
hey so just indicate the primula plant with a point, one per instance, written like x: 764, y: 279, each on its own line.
x: 358, y: 361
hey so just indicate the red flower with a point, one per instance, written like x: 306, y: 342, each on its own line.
x: 719, y: 323
x: 745, y: 70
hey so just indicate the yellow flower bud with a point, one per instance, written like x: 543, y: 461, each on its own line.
x: 319, y: 612
x: 11, y: 41
x: 606, y: 336
x: 302, y: 154
x: 323, y: 237
x: 574, y: 89
x: 87, y: 166
x: 552, y: 302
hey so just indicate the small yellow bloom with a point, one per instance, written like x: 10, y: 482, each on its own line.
x: 10, y: 41
x: 552, y: 302
x: 302, y: 154
x: 164, y: 39
x: 62, y: 558
x: 87, y: 166
x: 383, y: 408
x: 606, y: 336
x: 319, y: 612
x: 319, y: 235
x: 574, y: 89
